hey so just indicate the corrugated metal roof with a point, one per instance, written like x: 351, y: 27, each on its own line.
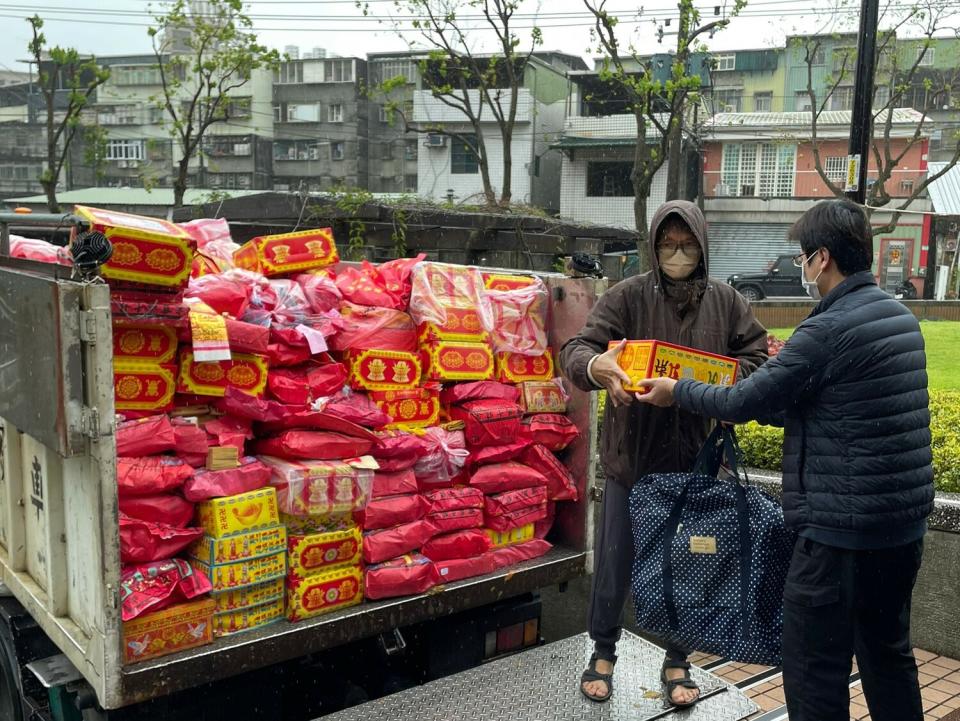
x: 131, y: 196
x: 945, y: 190
x: 905, y: 116
x: 746, y: 247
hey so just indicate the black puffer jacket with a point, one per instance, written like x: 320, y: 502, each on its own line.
x: 850, y: 389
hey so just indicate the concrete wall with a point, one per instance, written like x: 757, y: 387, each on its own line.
x: 936, y: 604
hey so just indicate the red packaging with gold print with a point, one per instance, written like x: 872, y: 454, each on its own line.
x: 411, y: 408
x: 143, y: 386
x: 516, y: 368
x: 505, y: 281
x: 246, y: 373
x: 383, y: 370
x: 459, y: 324
x: 458, y: 361
x: 285, y: 253
x: 143, y: 342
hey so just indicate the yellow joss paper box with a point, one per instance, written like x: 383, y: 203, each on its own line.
x: 243, y: 513
x: 247, y: 619
x: 324, y: 592
x: 145, y: 343
x: 248, y: 596
x: 140, y: 385
x: 150, y: 251
x: 542, y: 397
x: 499, y: 539
x: 505, y: 281
x: 642, y: 359
x: 458, y: 361
x: 517, y: 368
x: 254, y: 544
x: 177, y: 628
x: 247, y: 373
x: 319, y: 544
x: 410, y: 409
x: 249, y: 572
x: 285, y: 253
x: 383, y: 370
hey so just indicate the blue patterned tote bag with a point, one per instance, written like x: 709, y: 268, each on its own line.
x: 710, y: 558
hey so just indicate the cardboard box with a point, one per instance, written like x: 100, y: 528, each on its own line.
x: 249, y: 596
x: 286, y: 253
x: 250, y: 572
x: 150, y: 251
x: 177, y: 628
x: 243, y: 513
x: 505, y: 281
x: 461, y: 324
x: 247, y: 373
x: 217, y: 551
x: 144, y: 342
x: 516, y: 368
x: 499, y: 539
x: 410, y: 409
x: 383, y: 370
x: 642, y: 359
x: 542, y: 397
x: 324, y: 592
x: 140, y: 385
x: 319, y: 550
x: 247, y: 619
x: 458, y: 361
x: 222, y: 458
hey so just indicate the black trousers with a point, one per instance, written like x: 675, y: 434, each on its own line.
x: 838, y: 603
x: 613, y: 562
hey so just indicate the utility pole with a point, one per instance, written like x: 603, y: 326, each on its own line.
x: 861, y: 123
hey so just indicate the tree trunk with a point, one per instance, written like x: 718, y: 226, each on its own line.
x: 674, y: 158
x: 488, y: 192
x: 641, y: 192
x: 506, y: 190
x: 180, y: 184
x: 50, y: 188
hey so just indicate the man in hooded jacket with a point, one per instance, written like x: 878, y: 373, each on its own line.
x: 676, y: 302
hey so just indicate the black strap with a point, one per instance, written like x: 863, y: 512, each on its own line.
x: 670, y: 533
x: 746, y: 549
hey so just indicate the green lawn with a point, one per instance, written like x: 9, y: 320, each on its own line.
x: 943, y: 348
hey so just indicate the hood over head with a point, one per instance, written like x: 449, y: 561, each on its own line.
x: 693, y: 217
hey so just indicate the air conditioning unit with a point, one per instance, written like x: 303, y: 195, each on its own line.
x: 122, y: 164
x: 435, y: 140
x: 729, y: 108
x: 133, y: 163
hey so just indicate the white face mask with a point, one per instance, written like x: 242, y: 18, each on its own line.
x: 811, y: 286
x: 678, y: 265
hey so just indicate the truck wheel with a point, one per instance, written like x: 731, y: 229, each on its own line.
x: 11, y: 698
x: 751, y: 293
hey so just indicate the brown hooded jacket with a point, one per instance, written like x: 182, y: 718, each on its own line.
x: 639, y: 439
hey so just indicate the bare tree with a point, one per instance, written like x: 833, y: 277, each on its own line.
x: 202, y: 58
x: 901, y: 80
x: 62, y: 71
x: 474, y: 84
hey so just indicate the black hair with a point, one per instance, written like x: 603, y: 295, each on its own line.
x: 673, y: 221
x: 841, y: 227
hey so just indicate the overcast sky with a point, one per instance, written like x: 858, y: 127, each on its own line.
x: 114, y: 27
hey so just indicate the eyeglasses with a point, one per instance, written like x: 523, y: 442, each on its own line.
x: 801, y: 259
x: 691, y: 248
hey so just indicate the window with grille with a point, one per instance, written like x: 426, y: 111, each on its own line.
x: 410, y: 150
x: 835, y: 168
x: 762, y: 102
x: 287, y: 73
x: 389, y: 69
x: 335, y: 113
x: 135, y: 75
x: 727, y: 100
x: 841, y: 99
x: 303, y: 113
x: 881, y: 96
x: 801, y: 101
x: 336, y: 150
x: 757, y: 169
x: 925, y: 56
x: 124, y: 150
x: 609, y: 180
x: 728, y: 61
x: 818, y: 56
x: 338, y: 71
x: 463, y: 157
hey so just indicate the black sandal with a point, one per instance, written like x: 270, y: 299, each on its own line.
x: 670, y: 685
x: 591, y: 674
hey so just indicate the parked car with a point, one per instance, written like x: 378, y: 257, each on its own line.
x: 783, y: 280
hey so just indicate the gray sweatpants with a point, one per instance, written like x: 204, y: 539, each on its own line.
x: 613, y: 561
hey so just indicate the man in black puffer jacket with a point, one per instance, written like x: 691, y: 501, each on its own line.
x: 850, y: 389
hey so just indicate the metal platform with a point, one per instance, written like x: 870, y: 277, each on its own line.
x: 541, y: 685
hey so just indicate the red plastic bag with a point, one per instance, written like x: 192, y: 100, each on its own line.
x: 498, y: 454
x: 509, y: 555
x: 165, y: 508
x: 384, y: 286
x: 392, y: 511
x: 398, y: 450
x: 542, y: 527
x: 444, y: 458
x: 251, y: 475
x: 192, y: 442
x: 229, y: 431
x: 459, y: 544
x: 516, y: 519
x: 454, y: 499
x: 366, y: 328
x: 282, y: 355
x: 561, y: 485
x: 242, y: 337
x: 450, y: 521
x: 315, y: 421
x: 457, y: 569
x: 502, y: 504
x: 404, y: 576
x: 277, y: 302
x: 301, y: 386
x: 143, y: 541
x: 479, y: 391
x: 145, y: 437
x: 39, y: 250
x: 321, y: 291
x: 155, y: 586
x: 224, y: 294
x: 238, y: 404
x: 488, y: 423
x: 380, y: 546
x: 313, y: 445
x: 394, y: 484
x: 509, y: 476
x: 151, y: 475
x: 356, y: 408
x: 518, y: 319
x: 553, y: 430
x: 213, y: 240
